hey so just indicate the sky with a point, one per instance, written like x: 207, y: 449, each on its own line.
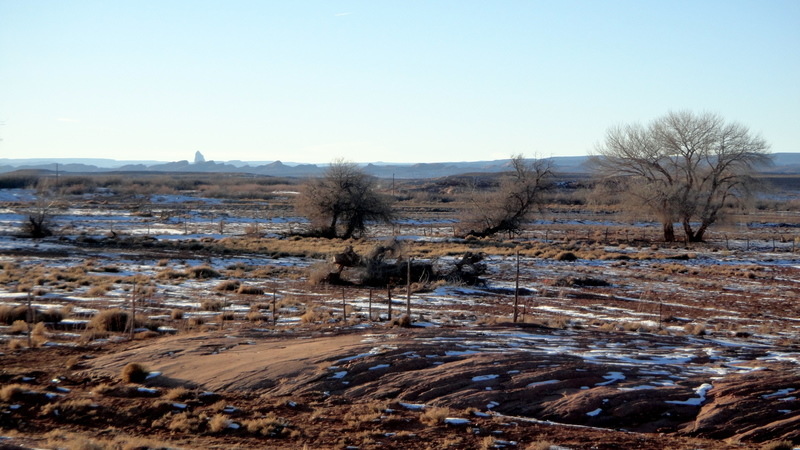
x: 383, y: 81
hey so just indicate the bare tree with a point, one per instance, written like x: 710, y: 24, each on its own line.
x: 343, y: 201
x: 682, y: 167
x: 38, y: 217
x: 507, y: 208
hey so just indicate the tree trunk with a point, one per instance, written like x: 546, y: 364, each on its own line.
x: 669, y: 232
x: 701, y: 232
x: 330, y: 232
x: 691, y: 235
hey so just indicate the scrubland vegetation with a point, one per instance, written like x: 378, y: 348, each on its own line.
x: 134, y: 261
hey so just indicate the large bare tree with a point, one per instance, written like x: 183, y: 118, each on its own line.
x: 682, y: 168
x: 518, y: 196
x: 343, y: 201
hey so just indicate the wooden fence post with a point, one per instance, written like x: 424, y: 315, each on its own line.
x: 516, y: 290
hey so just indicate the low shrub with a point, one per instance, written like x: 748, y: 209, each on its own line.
x: 218, y: 423
x: 11, y: 314
x: 39, y: 330
x: 114, y: 320
x: 434, y: 416
x: 53, y: 315
x: 97, y: 291
x: 71, y: 410
x: 566, y: 256
x: 134, y: 373
x: 255, y: 316
x: 184, y: 422
x: 18, y: 327
x: 16, y: 344
x: 176, y: 314
x: 195, y: 322
x: 270, y: 425
x: 149, y: 334
x: 169, y: 274
x: 178, y: 393
x: 250, y: 290
x: 202, y: 272
x: 211, y: 305
x: 228, y: 285
x: 403, y: 321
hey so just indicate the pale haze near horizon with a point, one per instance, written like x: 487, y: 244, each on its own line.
x: 383, y: 81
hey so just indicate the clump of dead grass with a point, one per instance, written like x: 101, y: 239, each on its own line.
x: 219, y: 423
x: 114, y: 320
x: 18, y: 327
x: 211, y: 305
x: 12, y: 392
x: 71, y: 410
x: 250, y: 290
x: 434, y: 415
x: 202, y: 272
x: 269, y: 425
x: 10, y: 314
x: 228, y: 285
x: 179, y: 393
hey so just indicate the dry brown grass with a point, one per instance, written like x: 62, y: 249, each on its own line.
x: 434, y: 415
x: 12, y: 392
x: 71, y: 410
x: 16, y: 344
x: 211, y: 305
x: 316, y: 314
x: 269, y: 425
x: 169, y: 274
x: 98, y: 291
x: 39, y: 330
x: 195, y: 322
x: 202, y: 272
x: 114, y: 320
x: 11, y: 314
x: 218, y: 423
x: 228, y: 285
x: 697, y: 329
x: 255, y: 316
x: 179, y: 393
x: 250, y: 290
x: 185, y: 422
x: 18, y: 327
x: 540, y: 445
x: 147, y: 334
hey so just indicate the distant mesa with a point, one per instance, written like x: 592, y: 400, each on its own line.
x: 785, y: 164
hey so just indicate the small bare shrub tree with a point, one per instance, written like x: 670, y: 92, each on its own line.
x: 343, y: 201
x: 38, y: 217
x: 507, y: 208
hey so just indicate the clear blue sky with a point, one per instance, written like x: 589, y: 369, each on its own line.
x: 393, y: 81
